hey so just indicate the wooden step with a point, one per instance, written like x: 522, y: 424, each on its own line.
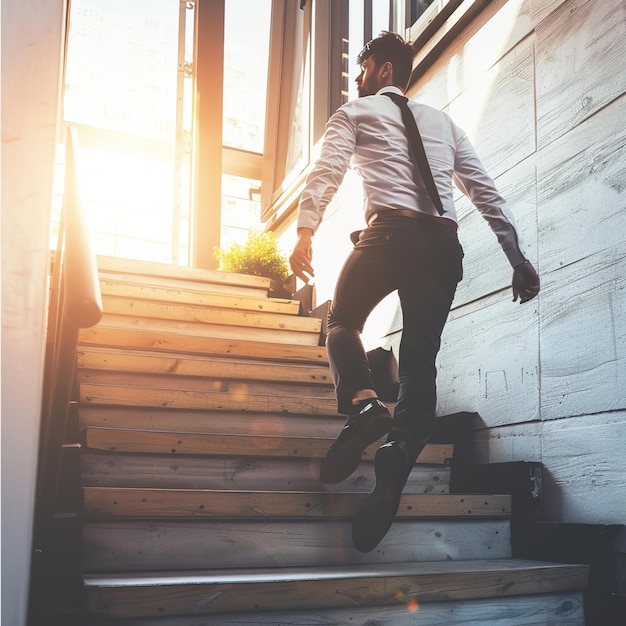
x: 159, y: 363
x: 209, y: 315
x: 167, y: 442
x: 199, y: 329
x: 102, y: 502
x: 147, y: 269
x: 219, y: 298
x: 241, y: 289
x: 207, y: 400
x: 221, y: 543
x: 253, y: 387
x: 120, y: 469
x: 556, y: 609
x: 227, y: 422
x: 338, y: 587
x: 144, y: 339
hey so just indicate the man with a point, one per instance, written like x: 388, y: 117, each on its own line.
x: 410, y: 245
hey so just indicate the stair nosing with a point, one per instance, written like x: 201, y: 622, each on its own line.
x: 304, y: 573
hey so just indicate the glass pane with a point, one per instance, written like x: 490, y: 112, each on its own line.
x: 246, y: 49
x: 121, y: 67
x: 418, y: 7
x: 297, y: 151
x: 380, y: 22
x: 121, y: 90
x: 355, y: 44
x: 380, y: 16
x: 241, y: 209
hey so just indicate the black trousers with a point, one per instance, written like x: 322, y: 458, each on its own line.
x: 422, y: 260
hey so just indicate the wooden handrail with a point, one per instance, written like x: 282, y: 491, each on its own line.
x: 82, y: 301
x: 75, y: 303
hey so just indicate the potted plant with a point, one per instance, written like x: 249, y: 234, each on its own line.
x: 259, y: 256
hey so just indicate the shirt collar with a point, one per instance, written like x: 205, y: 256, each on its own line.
x: 390, y: 88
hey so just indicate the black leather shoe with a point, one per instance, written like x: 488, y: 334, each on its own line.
x: 372, y: 421
x: 376, y: 513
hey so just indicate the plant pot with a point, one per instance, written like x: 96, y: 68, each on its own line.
x: 284, y: 289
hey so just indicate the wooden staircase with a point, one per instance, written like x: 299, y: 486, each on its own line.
x: 205, y: 409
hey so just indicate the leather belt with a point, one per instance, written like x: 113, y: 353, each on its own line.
x: 442, y: 221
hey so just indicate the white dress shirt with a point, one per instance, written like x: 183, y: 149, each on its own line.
x: 369, y: 134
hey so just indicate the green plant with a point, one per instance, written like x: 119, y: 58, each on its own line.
x: 258, y: 256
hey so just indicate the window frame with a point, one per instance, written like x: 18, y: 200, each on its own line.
x: 323, y: 23
x: 437, y: 28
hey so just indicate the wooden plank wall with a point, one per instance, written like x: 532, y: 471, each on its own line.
x: 539, y: 87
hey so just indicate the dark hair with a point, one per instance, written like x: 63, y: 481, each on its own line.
x: 390, y: 47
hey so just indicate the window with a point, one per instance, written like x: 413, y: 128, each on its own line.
x: 307, y: 81
x: 246, y: 49
x: 417, y: 9
x: 246, y: 46
x: 124, y: 91
x: 240, y: 209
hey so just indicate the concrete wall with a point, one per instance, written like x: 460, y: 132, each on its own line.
x: 539, y: 88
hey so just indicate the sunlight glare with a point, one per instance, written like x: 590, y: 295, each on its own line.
x: 472, y: 72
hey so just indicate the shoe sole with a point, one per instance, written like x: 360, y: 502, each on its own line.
x: 344, y: 459
x: 374, y: 516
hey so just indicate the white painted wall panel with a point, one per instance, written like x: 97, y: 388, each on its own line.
x: 497, y: 111
x: 489, y: 362
x: 485, y: 267
x: 583, y: 459
x: 581, y: 191
x: 515, y: 442
x: 585, y: 468
x: 583, y: 337
x: 579, y: 64
x: 505, y: 23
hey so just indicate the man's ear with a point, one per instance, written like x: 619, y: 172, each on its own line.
x: 386, y: 71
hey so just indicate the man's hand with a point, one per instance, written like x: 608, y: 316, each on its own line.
x: 300, y: 259
x: 525, y: 282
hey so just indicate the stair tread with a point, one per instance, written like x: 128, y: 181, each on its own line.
x: 115, y: 305
x: 205, y: 329
x: 103, y: 359
x: 168, y: 384
x: 106, y: 502
x: 329, y: 587
x: 557, y: 609
x: 338, y: 572
x: 195, y: 471
x: 216, y: 296
x: 188, y: 343
x: 168, y: 442
x: 227, y: 422
x: 183, y: 544
x: 210, y: 400
x: 149, y: 268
